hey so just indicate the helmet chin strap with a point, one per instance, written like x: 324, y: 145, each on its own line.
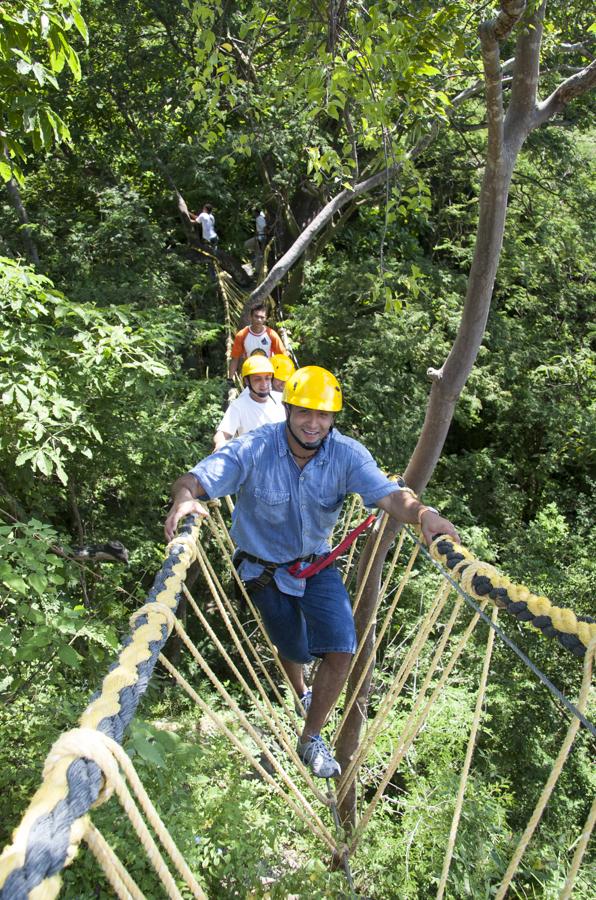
x: 311, y: 446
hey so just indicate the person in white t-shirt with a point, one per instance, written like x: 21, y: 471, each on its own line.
x: 206, y: 220
x: 254, y: 407
x: 261, y: 228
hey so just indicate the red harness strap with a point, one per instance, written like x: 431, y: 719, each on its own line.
x: 325, y: 561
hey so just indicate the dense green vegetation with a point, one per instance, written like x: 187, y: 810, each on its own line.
x: 112, y: 379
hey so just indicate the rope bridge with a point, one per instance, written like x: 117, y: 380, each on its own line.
x: 87, y: 765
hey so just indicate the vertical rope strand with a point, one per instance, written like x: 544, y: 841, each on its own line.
x: 279, y: 733
x: 248, y: 600
x: 380, y: 525
x: 579, y: 853
x: 310, y: 817
x: 379, y: 638
x: 116, y: 873
x: 410, y: 735
x: 554, y: 775
x: 226, y: 609
x: 468, y: 758
x: 400, y: 679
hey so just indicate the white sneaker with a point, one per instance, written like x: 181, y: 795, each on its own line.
x: 317, y: 756
x: 305, y: 701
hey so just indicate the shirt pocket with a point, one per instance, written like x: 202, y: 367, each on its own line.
x: 271, y: 506
x: 329, y: 508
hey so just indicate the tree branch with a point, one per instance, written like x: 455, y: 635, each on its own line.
x: 524, y: 90
x: 493, y: 80
x: 510, y: 14
x: 348, y: 195
x: 568, y: 90
x: 27, y: 234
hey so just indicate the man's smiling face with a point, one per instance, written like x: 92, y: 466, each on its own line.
x: 309, y: 426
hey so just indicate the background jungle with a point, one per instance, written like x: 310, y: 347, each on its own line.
x: 112, y: 379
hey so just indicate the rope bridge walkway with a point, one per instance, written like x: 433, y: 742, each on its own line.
x: 88, y: 764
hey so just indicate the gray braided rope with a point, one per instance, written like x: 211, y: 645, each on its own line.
x: 49, y: 836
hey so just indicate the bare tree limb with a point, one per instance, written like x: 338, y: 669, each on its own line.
x: 568, y: 90
x: 524, y: 89
x: 510, y: 14
x: 14, y: 195
x: 349, y: 195
x: 585, y: 47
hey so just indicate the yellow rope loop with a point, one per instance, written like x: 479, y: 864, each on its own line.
x: 456, y: 570
x: 154, y: 608
x: 476, y: 567
x: 189, y: 542
x: 111, y: 758
x: 539, y: 606
x: 85, y: 743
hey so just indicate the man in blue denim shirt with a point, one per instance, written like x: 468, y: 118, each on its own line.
x: 291, y: 480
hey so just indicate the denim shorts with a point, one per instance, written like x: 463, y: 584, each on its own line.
x: 304, y: 627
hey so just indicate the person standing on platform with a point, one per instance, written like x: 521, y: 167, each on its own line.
x: 206, y: 220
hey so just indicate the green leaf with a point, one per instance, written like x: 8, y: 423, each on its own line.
x: 43, y: 463
x: 80, y: 25
x: 426, y: 69
x: 22, y: 398
x: 69, y: 656
x: 74, y: 64
x: 55, y: 578
x: 148, y: 751
x: 25, y: 455
x: 5, y: 636
x: 15, y: 583
x: 38, y: 582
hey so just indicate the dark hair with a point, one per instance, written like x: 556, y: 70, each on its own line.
x: 258, y: 305
x: 208, y: 207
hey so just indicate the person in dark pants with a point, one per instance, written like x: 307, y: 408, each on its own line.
x: 290, y: 481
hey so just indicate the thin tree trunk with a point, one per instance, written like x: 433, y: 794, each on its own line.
x: 349, y: 738
x: 450, y: 379
x: 506, y: 136
x: 29, y: 245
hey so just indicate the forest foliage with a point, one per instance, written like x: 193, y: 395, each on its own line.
x: 112, y: 379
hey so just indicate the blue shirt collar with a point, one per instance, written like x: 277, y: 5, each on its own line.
x: 284, y: 450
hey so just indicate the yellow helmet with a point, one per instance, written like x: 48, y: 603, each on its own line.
x: 313, y: 388
x: 283, y: 366
x: 257, y: 365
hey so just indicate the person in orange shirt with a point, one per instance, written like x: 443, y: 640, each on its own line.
x: 256, y: 336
